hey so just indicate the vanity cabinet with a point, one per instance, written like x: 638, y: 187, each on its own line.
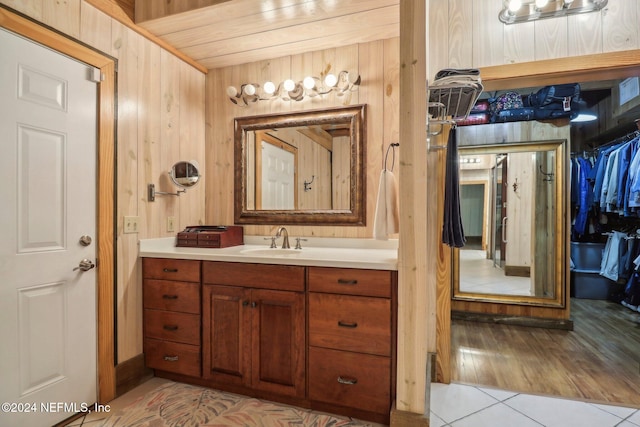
x: 172, y: 322
x: 316, y: 337
x: 352, y: 338
x: 254, y: 327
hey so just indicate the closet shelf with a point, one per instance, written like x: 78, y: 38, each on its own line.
x: 449, y: 101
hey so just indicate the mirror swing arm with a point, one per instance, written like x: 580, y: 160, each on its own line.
x: 152, y: 193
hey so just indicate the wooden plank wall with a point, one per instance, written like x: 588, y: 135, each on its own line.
x: 467, y: 33
x: 160, y: 121
x: 376, y: 62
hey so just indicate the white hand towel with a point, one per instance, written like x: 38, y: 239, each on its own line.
x: 387, y: 217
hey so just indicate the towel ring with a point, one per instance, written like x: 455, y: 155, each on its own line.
x: 393, y: 146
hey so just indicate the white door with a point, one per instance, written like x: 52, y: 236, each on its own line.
x: 48, y: 194
x: 278, y: 177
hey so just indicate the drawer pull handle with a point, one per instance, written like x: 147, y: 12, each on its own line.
x: 170, y: 327
x: 170, y: 270
x: 347, y: 381
x: 170, y: 358
x: 347, y: 324
x: 347, y: 281
x: 169, y: 296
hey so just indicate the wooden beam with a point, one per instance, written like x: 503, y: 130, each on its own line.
x: 319, y: 136
x: 146, y: 10
x: 416, y: 318
x: 115, y: 11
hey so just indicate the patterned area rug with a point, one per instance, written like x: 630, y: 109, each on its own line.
x: 184, y: 405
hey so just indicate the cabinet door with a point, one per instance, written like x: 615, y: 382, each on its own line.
x: 226, y: 326
x: 278, y: 335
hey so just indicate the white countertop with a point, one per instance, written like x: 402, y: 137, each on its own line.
x: 316, y: 251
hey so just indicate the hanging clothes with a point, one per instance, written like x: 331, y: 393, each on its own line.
x: 452, y: 230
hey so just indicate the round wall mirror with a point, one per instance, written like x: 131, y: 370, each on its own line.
x: 185, y: 174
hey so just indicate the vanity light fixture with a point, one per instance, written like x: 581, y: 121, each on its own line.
x: 290, y: 90
x: 516, y: 11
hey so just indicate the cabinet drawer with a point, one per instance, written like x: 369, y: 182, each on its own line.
x: 172, y: 296
x: 172, y: 326
x: 375, y: 283
x: 172, y: 357
x: 345, y: 322
x: 265, y: 276
x: 350, y: 379
x: 171, y: 269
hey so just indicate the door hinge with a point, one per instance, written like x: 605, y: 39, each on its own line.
x: 95, y: 75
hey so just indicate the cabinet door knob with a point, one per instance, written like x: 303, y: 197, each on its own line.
x: 347, y: 324
x: 347, y: 281
x: 254, y: 304
x: 347, y: 381
x: 245, y: 303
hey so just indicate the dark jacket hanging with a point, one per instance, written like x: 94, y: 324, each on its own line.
x: 452, y: 231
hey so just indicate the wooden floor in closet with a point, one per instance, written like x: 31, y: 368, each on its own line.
x: 598, y: 361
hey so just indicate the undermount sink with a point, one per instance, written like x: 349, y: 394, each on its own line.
x: 272, y: 252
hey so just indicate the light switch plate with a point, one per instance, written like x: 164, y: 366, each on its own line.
x: 131, y: 224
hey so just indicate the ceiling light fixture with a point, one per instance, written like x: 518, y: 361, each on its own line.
x: 584, y: 117
x: 290, y: 90
x: 516, y: 11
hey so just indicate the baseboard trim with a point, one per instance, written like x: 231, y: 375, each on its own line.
x: 131, y: 373
x: 505, y: 319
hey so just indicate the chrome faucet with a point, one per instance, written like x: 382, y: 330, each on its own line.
x: 285, y: 240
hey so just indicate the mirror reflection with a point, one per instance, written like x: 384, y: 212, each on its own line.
x: 509, y: 201
x: 185, y: 174
x: 301, y: 168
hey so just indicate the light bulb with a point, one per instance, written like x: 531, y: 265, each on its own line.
x: 232, y: 91
x: 541, y: 3
x: 309, y: 82
x: 250, y: 90
x: 269, y: 88
x: 514, y: 5
x: 289, y: 85
x: 330, y: 80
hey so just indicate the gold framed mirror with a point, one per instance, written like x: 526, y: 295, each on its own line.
x: 516, y: 249
x: 301, y: 168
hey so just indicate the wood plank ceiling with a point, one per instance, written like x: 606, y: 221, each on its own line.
x: 241, y: 31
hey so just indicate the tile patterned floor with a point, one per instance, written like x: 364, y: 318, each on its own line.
x: 457, y: 405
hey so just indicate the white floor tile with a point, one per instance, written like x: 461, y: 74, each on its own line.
x: 635, y: 418
x: 498, y: 394
x: 436, y: 421
x: 499, y: 415
x: 552, y: 412
x: 454, y: 401
x: 618, y: 411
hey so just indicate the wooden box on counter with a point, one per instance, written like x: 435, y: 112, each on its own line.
x: 210, y: 236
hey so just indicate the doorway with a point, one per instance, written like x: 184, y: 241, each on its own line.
x: 531, y: 75
x: 104, y: 183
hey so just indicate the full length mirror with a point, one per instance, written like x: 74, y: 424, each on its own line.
x: 301, y: 168
x: 513, y: 211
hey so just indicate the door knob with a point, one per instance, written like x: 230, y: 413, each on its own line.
x: 85, y: 265
x: 85, y: 240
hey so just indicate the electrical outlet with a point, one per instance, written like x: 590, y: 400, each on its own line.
x: 171, y: 223
x: 131, y: 224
